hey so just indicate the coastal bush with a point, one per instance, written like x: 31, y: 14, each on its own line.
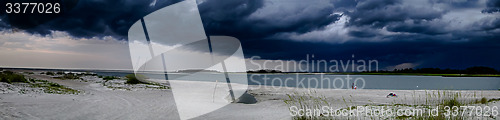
x: 70, y: 76
x: 10, y: 77
x: 134, y: 79
x: 49, y: 73
x: 484, y: 100
x: 109, y: 77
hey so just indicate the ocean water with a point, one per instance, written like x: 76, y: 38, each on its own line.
x: 325, y: 81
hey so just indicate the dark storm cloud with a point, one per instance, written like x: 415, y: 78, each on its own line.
x: 458, y: 3
x: 378, y: 14
x: 419, y: 26
x: 234, y: 18
x: 486, y: 24
x: 493, y: 6
x: 221, y: 10
x: 362, y: 34
x: 428, y: 54
x: 432, y: 41
x: 3, y: 25
x: 97, y: 18
x: 344, y: 4
x: 391, y: 31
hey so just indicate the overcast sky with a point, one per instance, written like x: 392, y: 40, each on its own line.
x: 403, y: 33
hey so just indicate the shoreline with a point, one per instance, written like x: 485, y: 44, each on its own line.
x: 301, y: 73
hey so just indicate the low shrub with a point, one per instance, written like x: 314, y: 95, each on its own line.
x: 109, y: 77
x: 484, y: 100
x: 10, y: 77
x: 49, y: 73
x: 134, y: 79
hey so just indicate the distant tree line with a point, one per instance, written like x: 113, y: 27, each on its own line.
x: 470, y: 70
x: 264, y: 71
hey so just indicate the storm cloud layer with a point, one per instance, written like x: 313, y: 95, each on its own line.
x: 424, y: 33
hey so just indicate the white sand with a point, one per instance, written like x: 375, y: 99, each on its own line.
x: 99, y: 102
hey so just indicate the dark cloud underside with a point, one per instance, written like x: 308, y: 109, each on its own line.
x: 431, y: 33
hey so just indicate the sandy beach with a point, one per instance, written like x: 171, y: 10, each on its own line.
x: 101, y: 102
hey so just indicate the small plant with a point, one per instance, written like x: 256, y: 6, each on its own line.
x: 135, y: 79
x: 484, y: 100
x: 307, y: 100
x: 452, y: 102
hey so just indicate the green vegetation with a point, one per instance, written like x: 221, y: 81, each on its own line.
x: 49, y: 73
x: 430, y: 74
x: 47, y: 87
x: 10, y: 77
x: 264, y: 71
x: 484, y: 100
x: 433, y: 99
x: 135, y: 79
x: 70, y: 76
x: 470, y: 70
x: 452, y: 102
x: 493, y: 100
x: 310, y: 100
x: 476, y: 71
x: 50, y: 87
x: 109, y: 77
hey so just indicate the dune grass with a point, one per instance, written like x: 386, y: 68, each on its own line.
x: 432, y: 99
x: 46, y: 86
x: 50, y: 87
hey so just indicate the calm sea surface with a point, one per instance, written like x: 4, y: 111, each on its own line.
x: 325, y: 81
